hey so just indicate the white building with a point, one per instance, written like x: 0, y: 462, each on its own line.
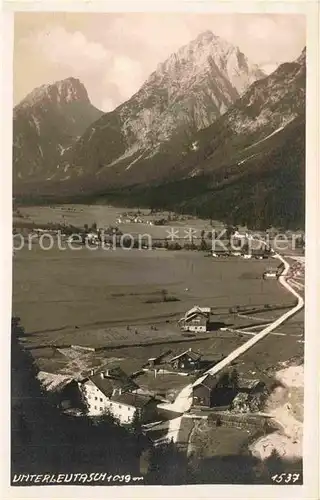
x: 247, y: 256
x: 92, y: 238
x: 238, y: 235
x: 196, y: 319
x: 113, y: 391
x: 270, y: 274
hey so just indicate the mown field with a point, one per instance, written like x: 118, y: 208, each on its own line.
x: 107, y: 298
x: 56, y: 289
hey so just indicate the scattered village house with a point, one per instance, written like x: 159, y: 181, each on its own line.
x: 274, y: 272
x: 170, y: 362
x: 61, y: 388
x: 219, y: 252
x: 218, y: 390
x: 187, y: 360
x: 113, y: 391
x: 196, y: 319
x: 202, y: 394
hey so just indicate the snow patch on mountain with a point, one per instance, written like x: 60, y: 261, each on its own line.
x: 187, y: 92
x: 134, y: 161
x: 36, y: 122
x: 285, y: 122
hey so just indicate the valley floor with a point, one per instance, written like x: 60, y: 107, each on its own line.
x: 105, y: 299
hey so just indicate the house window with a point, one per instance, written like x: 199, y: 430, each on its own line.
x: 120, y: 406
x: 101, y: 400
x: 95, y: 407
x: 96, y: 398
x: 101, y: 408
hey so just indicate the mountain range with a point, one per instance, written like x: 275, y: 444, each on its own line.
x: 187, y: 92
x: 207, y: 133
x: 46, y: 123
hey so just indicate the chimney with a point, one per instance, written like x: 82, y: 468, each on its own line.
x: 91, y: 372
x: 102, y: 374
x: 120, y: 391
x: 107, y: 372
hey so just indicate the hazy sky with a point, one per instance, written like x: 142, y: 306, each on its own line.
x: 113, y: 54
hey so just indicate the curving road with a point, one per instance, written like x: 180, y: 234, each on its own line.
x: 183, y: 400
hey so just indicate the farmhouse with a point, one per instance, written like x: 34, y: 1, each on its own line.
x: 113, y: 391
x: 54, y: 382
x: 273, y: 272
x: 125, y: 406
x: 92, y: 237
x: 173, y: 362
x: 214, y: 391
x: 239, y: 235
x: 219, y: 252
x: 259, y: 253
x: 196, y: 319
x: 62, y: 388
x: 270, y: 274
x: 187, y: 360
x: 62, y: 391
x: 203, y: 391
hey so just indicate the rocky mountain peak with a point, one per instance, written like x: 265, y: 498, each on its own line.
x: 60, y: 92
x: 209, y: 54
x: 47, y: 123
x: 186, y: 93
x: 209, y: 39
x: 206, y: 36
x: 302, y: 58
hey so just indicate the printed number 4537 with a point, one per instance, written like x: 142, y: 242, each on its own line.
x: 285, y: 478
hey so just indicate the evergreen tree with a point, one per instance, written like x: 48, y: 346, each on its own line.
x: 273, y: 463
x: 234, y: 379
x: 164, y: 294
x: 224, y: 381
x: 136, y: 423
x: 45, y: 440
x: 167, y: 465
x: 229, y: 232
x: 203, y: 245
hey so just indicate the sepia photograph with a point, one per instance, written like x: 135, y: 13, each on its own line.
x: 158, y: 248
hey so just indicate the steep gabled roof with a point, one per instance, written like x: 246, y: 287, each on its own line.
x: 208, y: 381
x: 194, y: 315
x: 204, y: 311
x: 53, y: 382
x: 117, y: 379
x: 190, y: 353
x: 136, y: 400
x: 198, y: 309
